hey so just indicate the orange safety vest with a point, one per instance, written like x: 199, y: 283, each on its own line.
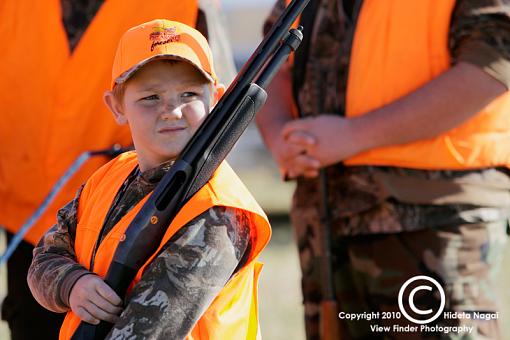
x: 234, y: 312
x: 51, y: 102
x: 398, y: 46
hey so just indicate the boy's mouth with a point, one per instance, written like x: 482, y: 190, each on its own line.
x: 170, y: 129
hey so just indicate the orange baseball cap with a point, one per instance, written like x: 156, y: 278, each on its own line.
x: 161, y: 39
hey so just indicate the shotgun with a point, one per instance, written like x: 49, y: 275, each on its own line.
x: 200, y: 158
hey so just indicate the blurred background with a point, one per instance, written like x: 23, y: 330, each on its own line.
x: 281, y: 312
x: 280, y: 298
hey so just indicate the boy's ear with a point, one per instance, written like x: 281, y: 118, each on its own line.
x: 115, y: 107
x: 220, y: 90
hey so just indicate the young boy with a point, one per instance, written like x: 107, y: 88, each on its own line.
x: 201, y: 283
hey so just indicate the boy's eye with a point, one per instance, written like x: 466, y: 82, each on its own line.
x: 189, y: 94
x: 151, y: 97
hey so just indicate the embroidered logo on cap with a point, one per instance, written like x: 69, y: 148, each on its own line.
x: 162, y: 35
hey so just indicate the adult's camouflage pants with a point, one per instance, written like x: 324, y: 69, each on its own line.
x: 369, y: 271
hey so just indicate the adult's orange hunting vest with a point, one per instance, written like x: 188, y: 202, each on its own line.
x: 51, y: 100
x: 234, y: 313
x: 399, y: 45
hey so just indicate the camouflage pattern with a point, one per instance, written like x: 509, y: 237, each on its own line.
x: 133, y: 190
x: 485, y: 21
x: 176, y: 288
x: 360, y: 205
x: 54, y: 263
x: 181, y: 283
x: 378, y: 241
x: 370, y: 269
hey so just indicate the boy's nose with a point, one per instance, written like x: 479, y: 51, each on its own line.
x: 170, y: 112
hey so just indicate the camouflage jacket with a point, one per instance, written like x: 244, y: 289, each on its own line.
x: 359, y: 203
x: 176, y: 287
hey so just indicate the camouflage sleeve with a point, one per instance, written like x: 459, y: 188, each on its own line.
x: 480, y: 35
x: 54, y: 268
x: 184, y: 279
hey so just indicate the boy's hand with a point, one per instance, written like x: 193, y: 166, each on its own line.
x: 93, y: 300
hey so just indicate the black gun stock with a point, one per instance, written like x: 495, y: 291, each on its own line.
x: 200, y: 158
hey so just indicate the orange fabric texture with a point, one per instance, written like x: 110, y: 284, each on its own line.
x: 52, y: 106
x: 234, y: 313
x: 393, y: 54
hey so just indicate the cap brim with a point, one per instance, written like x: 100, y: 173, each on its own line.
x: 126, y: 75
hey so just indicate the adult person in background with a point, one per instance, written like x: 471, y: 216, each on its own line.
x: 406, y: 108
x: 56, y: 64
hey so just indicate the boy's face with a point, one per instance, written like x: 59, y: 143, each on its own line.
x: 164, y: 104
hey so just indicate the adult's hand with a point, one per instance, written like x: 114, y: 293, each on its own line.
x: 335, y: 138
x: 93, y: 300
x: 290, y: 153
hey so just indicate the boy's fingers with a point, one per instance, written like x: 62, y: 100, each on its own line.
x: 84, y: 315
x: 100, y: 314
x: 105, y: 305
x: 106, y: 292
